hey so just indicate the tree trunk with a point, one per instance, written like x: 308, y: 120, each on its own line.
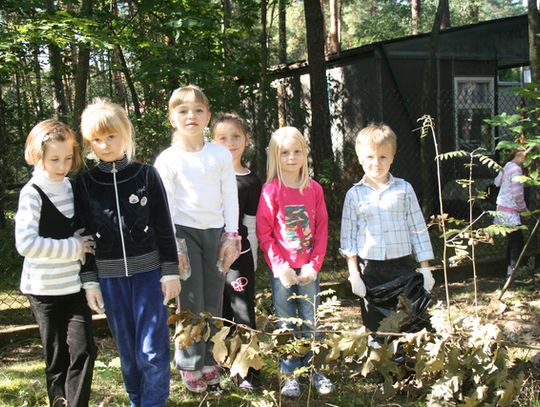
x: 416, y: 6
x: 372, y: 8
x: 56, y: 64
x: 119, y: 94
x: 335, y: 26
x: 474, y: 11
x: 3, y: 132
x: 282, y: 21
x: 445, y: 17
x: 37, y: 73
x: 129, y: 80
x: 81, y: 73
x: 320, y: 138
x: 282, y: 54
x: 427, y: 150
x: 262, y: 131
x: 534, y: 41
x: 227, y: 12
x: 534, y: 62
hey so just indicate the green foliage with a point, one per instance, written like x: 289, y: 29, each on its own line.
x: 465, y: 363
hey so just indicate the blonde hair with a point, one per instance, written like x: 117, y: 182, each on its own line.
x: 377, y: 134
x: 274, y: 151
x: 103, y: 117
x: 222, y: 117
x: 42, y: 134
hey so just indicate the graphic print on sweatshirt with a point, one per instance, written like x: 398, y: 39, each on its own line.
x: 298, y: 230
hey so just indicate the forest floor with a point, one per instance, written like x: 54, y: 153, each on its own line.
x: 22, y: 377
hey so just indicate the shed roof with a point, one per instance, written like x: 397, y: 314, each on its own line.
x: 504, y: 40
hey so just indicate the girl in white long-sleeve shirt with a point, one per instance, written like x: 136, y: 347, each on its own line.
x: 45, y: 235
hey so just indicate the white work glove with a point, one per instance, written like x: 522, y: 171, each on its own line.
x: 170, y: 287
x: 357, y: 285
x: 429, y: 281
x: 307, y: 274
x: 94, y: 298
x: 286, y: 275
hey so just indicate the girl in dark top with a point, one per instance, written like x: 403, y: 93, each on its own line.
x: 229, y: 130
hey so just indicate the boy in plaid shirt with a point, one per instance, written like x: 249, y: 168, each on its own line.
x: 382, y: 228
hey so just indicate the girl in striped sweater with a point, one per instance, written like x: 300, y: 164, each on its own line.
x: 45, y: 235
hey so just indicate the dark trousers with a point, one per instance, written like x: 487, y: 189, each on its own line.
x: 239, y: 293
x: 138, y: 322
x: 201, y: 292
x: 514, y: 247
x: 65, y: 327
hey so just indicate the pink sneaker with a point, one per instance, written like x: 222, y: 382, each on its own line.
x: 194, y: 381
x: 211, y: 375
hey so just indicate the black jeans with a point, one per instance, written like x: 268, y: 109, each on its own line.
x: 239, y: 292
x: 65, y: 327
x: 514, y: 247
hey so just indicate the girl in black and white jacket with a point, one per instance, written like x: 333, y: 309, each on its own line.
x: 134, y: 272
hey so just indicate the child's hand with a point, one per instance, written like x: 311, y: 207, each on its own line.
x: 429, y: 281
x: 94, y: 298
x: 307, y: 274
x: 357, y: 285
x: 170, y: 286
x: 229, y: 251
x: 86, y: 243
x: 286, y: 275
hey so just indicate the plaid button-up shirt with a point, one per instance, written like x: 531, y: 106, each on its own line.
x: 384, y: 224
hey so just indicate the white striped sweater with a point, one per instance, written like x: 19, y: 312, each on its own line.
x: 51, y: 266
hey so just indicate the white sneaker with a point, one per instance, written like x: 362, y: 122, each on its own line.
x: 291, y: 388
x: 322, y: 384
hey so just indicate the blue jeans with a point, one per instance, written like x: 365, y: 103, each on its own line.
x: 138, y: 322
x: 296, y: 308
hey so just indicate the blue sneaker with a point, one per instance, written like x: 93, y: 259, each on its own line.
x: 322, y: 384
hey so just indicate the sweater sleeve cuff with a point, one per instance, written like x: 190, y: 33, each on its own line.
x: 89, y: 277
x: 169, y: 269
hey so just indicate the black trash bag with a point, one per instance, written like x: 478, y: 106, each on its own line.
x: 383, y: 299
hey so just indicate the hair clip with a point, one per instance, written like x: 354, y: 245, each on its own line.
x: 45, y: 138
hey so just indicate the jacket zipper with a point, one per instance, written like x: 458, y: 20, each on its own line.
x: 114, y: 171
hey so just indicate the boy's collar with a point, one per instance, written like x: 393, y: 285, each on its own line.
x: 388, y: 183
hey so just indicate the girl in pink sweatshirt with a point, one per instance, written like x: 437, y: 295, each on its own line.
x: 292, y: 227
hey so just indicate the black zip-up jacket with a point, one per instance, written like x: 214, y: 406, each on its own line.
x: 146, y: 240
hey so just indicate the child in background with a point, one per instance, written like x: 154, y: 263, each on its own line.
x: 134, y: 272
x: 292, y: 227
x: 45, y: 236
x: 510, y: 202
x: 382, y: 226
x: 203, y: 200
x: 230, y: 131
